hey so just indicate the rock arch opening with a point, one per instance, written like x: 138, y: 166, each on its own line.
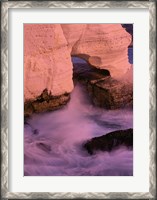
x: 84, y: 72
x: 91, y: 78
x: 49, y: 72
x: 104, y: 90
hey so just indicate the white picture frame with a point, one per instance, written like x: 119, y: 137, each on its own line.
x: 6, y: 90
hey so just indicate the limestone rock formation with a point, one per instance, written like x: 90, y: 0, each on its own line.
x: 47, y: 58
x: 73, y: 33
x: 110, y: 141
x: 47, y: 62
x: 102, y: 45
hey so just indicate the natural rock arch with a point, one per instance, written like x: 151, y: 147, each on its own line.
x: 48, y: 49
x: 104, y: 46
x: 81, y: 65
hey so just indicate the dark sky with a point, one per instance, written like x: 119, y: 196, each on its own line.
x: 129, y: 28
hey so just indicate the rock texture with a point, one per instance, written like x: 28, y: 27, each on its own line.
x: 47, y: 62
x: 102, y: 45
x: 105, y: 91
x: 47, y: 58
x: 45, y: 102
x: 110, y: 93
x: 110, y: 141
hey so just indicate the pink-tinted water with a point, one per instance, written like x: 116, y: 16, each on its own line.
x: 52, y: 141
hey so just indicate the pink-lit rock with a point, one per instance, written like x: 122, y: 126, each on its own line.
x: 47, y: 61
x: 102, y: 45
x: 73, y: 33
x: 48, y: 49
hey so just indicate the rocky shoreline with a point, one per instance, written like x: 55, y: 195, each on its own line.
x: 110, y: 141
x: 45, y: 102
x: 105, y: 91
x: 47, y: 57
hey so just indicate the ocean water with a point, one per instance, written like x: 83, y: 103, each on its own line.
x: 53, y: 140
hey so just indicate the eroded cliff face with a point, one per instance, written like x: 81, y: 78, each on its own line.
x: 102, y: 45
x: 47, y: 58
x: 47, y: 61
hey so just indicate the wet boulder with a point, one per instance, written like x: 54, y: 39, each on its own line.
x: 45, y: 102
x: 105, y: 91
x: 110, y: 141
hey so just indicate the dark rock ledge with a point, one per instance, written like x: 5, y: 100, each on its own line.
x: 110, y: 141
x: 45, y: 102
x: 105, y: 91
